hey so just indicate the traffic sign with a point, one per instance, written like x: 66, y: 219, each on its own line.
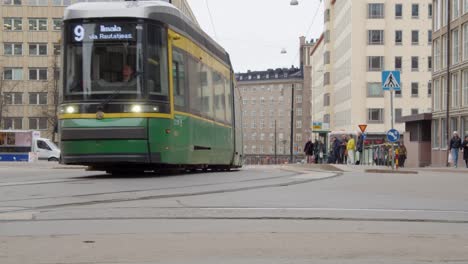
x: 362, y: 127
x: 393, y: 135
x: 391, y: 80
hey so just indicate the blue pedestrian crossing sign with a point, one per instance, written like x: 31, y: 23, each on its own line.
x: 391, y: 80
x: 393, y: 135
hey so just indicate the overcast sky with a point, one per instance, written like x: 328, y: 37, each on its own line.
x: 255, y: 31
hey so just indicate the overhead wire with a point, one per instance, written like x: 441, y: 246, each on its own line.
x: 211, y: 19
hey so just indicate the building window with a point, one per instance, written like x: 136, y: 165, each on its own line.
x: 429, y: 89
x: 436, y: 55
x: 375, y: 11
x: 38, y: 24
x: 57, y: 49
x: 298, y: 137
x: 39, y: 123
x: 455, y: 51
x: 398, y: 92
x: 38, y: 2
x: 327, y: 36
x: 415, y: 10
x: 398, y: 10
x: 435, y: 133
x: 455, y: 9
x: 375, y: 115
x: 414, y: 89
x: 429, y: 11
x: 398, y: 115
x: 38, y: 74
x: 429, y: 37
x: 326, y: 15
x: 61, y: 2
x: 37, y: 98
x: 414, y: 111
x: 13, y: 123
x: 326, y: 118
x: 375, y: 37
x: 465, y: 6
x: 415, y: 37
x: 398, y: 37
x: 443, y: 143
x: 12, y: 2
x: 375, y: 63
x: 436, y: 97
x: 245, y: 101
x: 374, y: 90
x: 326, y: 78
x: 13, y: 74
x: 298, y: 99
x: 443, y: 84
x: 253, y: 100
x: 444, y: 51
x: 455, y: 90
x: 38, y: 49
x: 398, y: 63
x: 57, y: 23
x: 465, y: 88
x: 299, y: 112
x: 414, y: 63
x: 299, y: 124
x: 465, y: 41
x: 429, y: 63
x: 326, y: 57
x: 13, y: 49
x: 254, y: 113
x: 13, y: 98
x: 326, y: 99
x: 12, y: 24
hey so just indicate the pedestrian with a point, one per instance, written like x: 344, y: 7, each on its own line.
x: 465, y: 150
x: 455, y: 146
x: 359, y: 147
x: 350, y: 147
x: 343, y: 152
x: 401, y: 155
x: 318, y: 151
x: 337, y: 150
x: 309, y: 150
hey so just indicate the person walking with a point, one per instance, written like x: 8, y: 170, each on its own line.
x: 350, y: 147
x: 465, y: 150
x: 359, y: 148
x: 309, y: 150
x: 401, y: 155
x: 455, y: 146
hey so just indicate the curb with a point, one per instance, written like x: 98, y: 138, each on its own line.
x: 390, y: 171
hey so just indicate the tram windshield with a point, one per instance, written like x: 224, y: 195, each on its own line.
x: 108, y: 59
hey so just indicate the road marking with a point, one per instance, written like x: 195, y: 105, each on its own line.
x: 17, y: 216
x: 34, y: 182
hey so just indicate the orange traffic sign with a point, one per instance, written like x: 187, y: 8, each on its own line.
x: 363, y: 128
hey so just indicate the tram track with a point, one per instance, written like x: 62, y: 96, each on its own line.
x: 166, y: 196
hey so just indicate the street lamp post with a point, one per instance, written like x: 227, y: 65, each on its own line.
x: 292, y: 127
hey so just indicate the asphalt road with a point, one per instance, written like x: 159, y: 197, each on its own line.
x: 255, y: 215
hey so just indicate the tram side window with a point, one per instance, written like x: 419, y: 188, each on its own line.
x: 157, y: 81
x: 228, y: 94
x: 178, y: 70
x: 194, y: 86
x: 219, y: 99
x: 207, y: 91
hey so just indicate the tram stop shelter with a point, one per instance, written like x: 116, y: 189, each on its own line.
x: 417, y: 139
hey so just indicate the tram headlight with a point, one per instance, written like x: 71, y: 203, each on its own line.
x: 136, y: 108
x: 71, y: 109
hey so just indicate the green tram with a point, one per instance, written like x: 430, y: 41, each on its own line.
x: 144, y: 88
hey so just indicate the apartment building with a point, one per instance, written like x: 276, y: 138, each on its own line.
x: 360, y: 40
x: 30, y: 33
x: 266, y: 114
x: 450, y: 49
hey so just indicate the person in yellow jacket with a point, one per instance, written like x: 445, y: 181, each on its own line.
x: 350, y: 147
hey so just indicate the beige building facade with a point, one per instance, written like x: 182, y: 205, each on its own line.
x: 30, y: 33
x: 361, y: 39
x: 452, y: 42
x: 266, y: 114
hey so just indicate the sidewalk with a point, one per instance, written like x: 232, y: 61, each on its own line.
x: 381, y: 169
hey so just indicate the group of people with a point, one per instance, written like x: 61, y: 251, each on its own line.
x: 348, y: 150
x: 455, y: 146
x: 314, y: 151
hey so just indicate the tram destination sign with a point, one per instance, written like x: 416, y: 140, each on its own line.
x: 103, y: 32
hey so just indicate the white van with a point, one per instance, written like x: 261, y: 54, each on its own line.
x: 46, y: 149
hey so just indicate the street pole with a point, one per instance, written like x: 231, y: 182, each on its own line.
x: 276, y: 155
x: 292, y: 123
x: 391, y: 124
x: 447, y: 126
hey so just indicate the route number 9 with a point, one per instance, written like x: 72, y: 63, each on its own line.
x: 78, y: 33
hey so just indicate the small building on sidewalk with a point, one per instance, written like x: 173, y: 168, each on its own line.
x: 417, y: 139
